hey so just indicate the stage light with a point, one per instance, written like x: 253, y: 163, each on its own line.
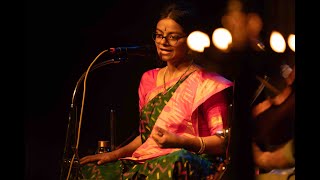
x: 198, y: 41
x: 222, y: 38
x: 277, y: 42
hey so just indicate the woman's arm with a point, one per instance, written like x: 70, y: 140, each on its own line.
x: 124, y: 151
x: 215, y: 118
x: 214, y: 112
x: 212, y: 144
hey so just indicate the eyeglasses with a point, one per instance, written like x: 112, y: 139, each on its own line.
x: 172, y: 39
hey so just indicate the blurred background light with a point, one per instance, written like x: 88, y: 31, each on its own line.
x: 291, y: 42
x: 277, y: 42
x: 221, y: 38
x: 198, y: 40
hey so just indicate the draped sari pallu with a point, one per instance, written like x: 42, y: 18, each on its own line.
x: 168, y: 110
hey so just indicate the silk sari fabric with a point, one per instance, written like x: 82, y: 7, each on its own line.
x: 194, y: 106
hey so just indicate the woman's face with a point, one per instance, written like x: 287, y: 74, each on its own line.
x: 171, y: 41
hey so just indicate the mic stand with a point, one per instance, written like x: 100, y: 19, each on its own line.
x: 72, y: 129
x: 112, y: 129
x: 70, y: 144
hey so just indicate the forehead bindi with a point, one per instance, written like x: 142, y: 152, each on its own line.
x: 169, y: 26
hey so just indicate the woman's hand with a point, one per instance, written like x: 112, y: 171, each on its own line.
x: 166, y: 139
x: 124, y: 151
x: 100, y: 158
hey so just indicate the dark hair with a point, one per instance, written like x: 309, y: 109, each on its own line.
x: 186, y: 15
x: 182, y: 12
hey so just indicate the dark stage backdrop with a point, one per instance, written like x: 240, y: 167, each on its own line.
x: 62, y: 39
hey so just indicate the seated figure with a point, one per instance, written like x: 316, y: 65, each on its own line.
x: 273, y: 142
x: 183, y: 108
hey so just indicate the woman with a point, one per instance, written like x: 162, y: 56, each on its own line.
x: 181, y: 109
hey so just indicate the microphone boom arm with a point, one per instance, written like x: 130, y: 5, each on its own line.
x: 73, y: 123
x: 110, y: 61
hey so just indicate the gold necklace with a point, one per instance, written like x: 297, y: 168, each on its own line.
x: 164, y: 77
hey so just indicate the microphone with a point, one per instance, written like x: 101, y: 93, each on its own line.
x: 133, y: 50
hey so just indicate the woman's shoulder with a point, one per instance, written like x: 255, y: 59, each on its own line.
x: 205, y: 75
x: 150, y: 74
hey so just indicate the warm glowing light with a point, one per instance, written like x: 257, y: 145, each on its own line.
x: 221, y: 38
x: 198, y: 40
x: 254, y: 25
x: 277, y: 42
x: 291, y: 42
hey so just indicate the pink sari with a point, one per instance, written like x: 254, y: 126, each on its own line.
x: 182, y: 115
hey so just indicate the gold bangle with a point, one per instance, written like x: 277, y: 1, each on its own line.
x: 202, y: 147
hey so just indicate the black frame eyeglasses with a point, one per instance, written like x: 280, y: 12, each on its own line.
x: 172, y: 39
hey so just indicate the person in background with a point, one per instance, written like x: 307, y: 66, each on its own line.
x: 182, y: 106
x: 274, y: 144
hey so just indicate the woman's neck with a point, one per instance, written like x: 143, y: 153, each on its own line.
x: 175, y: 69
x: 181, y: 71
